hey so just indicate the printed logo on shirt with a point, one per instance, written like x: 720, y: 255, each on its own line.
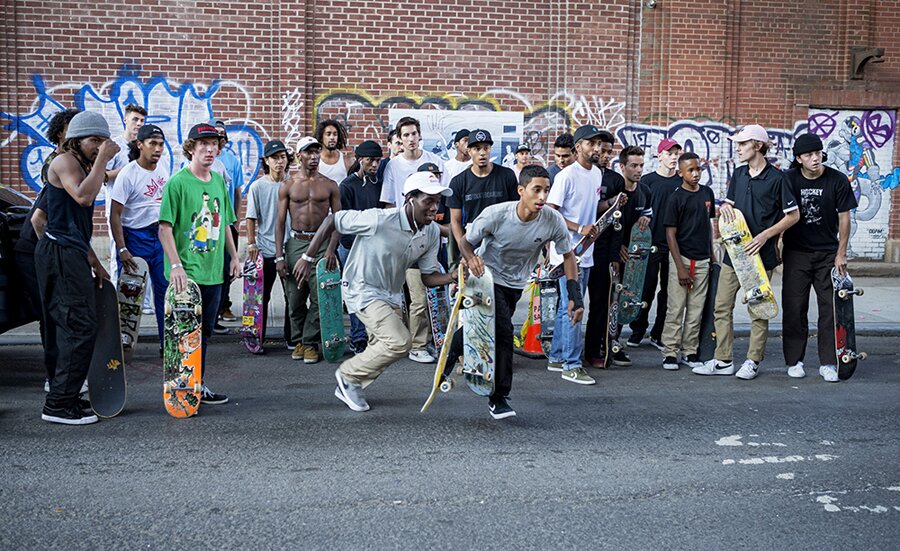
x: 154, y: 189
x: 206, y: 226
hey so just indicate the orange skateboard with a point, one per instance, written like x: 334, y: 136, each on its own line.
x: 182, y: 351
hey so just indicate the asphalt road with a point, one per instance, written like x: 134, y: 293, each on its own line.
x: 645, y: 459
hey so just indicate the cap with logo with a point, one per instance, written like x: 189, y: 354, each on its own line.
x: 666, y: 145
x: 201, y: 131
x: 273, y: 147
x: 426, y: 182
x: 369, y: 149
x: 306, y: 142
x: 751, y: 132
x: 587, y: 132
x: 523, y: 147
x: 149, y: 131
x: 480, y: 136
x: 87, y: 123
x: 429, y: 167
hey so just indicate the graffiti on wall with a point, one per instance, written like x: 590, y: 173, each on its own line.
x: 172, y: 106
x: 861, y: 145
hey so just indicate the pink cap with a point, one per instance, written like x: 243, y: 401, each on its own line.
x: 751, y: 132
x: 666, y: 145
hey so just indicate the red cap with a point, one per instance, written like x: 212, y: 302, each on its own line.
x: 666, y: 145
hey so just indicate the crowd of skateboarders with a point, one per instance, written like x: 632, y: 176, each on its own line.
x: 399, y: 223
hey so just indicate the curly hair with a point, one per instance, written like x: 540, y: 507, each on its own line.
x: 58, y: 124
x: 342, y: 132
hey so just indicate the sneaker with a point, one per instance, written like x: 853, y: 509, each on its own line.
x: 500, y: 409
x: 797, y: 372
x: 634, y: 340
x: 73, y: 415
x: 554, y: 366
x: 657, y: 343
x: 578, y: 376
x: 748, y: 371
x: 829, y: 373
x: 350, y: 394
x: 85, y: 405
x: 621, y: 359
x: 209, y: 397
x: 310, y: 355
x: 147, y: 311
x: 219, y: 329
x: 691, y: 360
x: 289, y: 345
x: 298, y: 352
x: 714, y: 367
x: 421, y: 356
x: 599, y: 363
x: 670, y: 363
x: 226, y: 315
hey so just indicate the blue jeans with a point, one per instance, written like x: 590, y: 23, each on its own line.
x: 357, y: 329
x: 145, y: 243
x: 568, y: 339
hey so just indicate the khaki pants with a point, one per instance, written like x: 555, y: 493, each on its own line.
x: 419, y: 322
x: 684, y: 310
x: 389, y: 341
x: 725, y: 301
x: 305, y: 326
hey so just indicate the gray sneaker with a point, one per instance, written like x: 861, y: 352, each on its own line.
x: 350, y: 394
x: 578, y: 376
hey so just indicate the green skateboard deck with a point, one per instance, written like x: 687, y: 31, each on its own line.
x: 331, y: 313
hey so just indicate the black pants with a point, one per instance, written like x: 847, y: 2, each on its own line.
x: 210, y: 296
x: 657, y: 273
x: 225, y: 300
x: 598, y: 294
x: 505, y: 299
x: 803, y: 270
x: 67, y: 287
x: 25, y: 263
x: 269, y: 276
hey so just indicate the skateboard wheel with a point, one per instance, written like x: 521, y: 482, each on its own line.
x: 634, y: 248
x: 446, y: 386
x: 644, y: 305
x: 860, y: 292
x: 168, y: 309
x: 617, y: 215
x: 468, y: 302
x: 459, y: 369
x: 617, y: 226
x: 488, y: 301
x: 842, y: 293
x: 167, y: 387
x: 653, y: 249
x: 845, y: 358
x: 487, y: 376
x: 616, y: 348
x: 198, y: 310
x: 863, y: 355
x: 619, y: 287
x: 198, y: 388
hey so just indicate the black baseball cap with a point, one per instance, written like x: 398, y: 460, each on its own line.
x: 523, y: 147
x: 587, y: 132
x: 202, y: 130
x: 429, y: 167
x: 464, y: 133
x: 273, y: 147
x: 150, y: 131
x: 807, y: 143
x: 480, y: 136
x: 370, y: 149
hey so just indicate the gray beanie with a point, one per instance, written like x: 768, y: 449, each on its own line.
x: 87, y: 123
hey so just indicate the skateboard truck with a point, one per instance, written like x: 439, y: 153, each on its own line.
x: 477, y: 298
x: 845, y: 294
x: 850, y: 355
x: 755, y: 295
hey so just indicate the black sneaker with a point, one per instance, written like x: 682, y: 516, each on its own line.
x: 72, y: 415
x: 634, y: 340
x: 85, y: 405
x: 210, y: 397
x: 657, y: 343
x: 670, y: 363
x: 621, y: 359
x: 219, y: 329
x: 500, y: 409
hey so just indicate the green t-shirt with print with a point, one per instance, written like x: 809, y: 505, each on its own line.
x: 200, y: 213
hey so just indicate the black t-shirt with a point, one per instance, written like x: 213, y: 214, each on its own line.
x: 473, y: 194
x: 690, y: 213
x: 820, y: 202
x: 27, y: 236
x: 660, y: 189
x: 638, y: 205
x: 607, y: 245
x: 764, y: 199
x: 358, y: 195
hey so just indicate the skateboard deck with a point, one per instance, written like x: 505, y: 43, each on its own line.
x: 331, y: 312
x: 478, y: 322
x: 845, y: 325
x: 106, y: 375
x: 252, y: 316
x: 612, y: 318
x: 549, y: 289
x: 182, y: 351
x: 758, y: 294
x: 608, y: 219
x: 443, y: 378
x: 639, y: 249
x: 130, y: 290
x: 438, y: 313
x: 707, y: 347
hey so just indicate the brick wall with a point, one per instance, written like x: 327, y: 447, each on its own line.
x: 690, y: 69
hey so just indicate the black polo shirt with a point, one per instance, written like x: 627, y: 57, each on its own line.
x: 764, y: 199
x: 359, y: 195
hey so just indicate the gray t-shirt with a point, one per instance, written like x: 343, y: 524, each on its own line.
x: 262, y: 206
x: 384, y: 248
x: 511, y: 248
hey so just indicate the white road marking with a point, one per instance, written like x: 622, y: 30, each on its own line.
x: 785, y: 476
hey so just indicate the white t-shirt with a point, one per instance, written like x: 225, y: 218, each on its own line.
x: 454, y: 167
x: 336, y: 172
x: 576, y: 192
x: 121, y: 158
x: 399, y: 169
x: 140, y: 192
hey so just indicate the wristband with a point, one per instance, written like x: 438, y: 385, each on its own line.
x: 574, y: 291
x: 279, y: 259
x: 123, y: 249
x: 175, y: 266
x: 251, y: 245
x: 307, y: 258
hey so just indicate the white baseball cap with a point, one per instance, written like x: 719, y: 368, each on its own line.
x: 307, y: 142
x: 426, y: 182
x: 751, y: 132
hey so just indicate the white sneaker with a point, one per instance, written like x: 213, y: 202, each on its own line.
x: 829, y: 373
x: 714, y: 367
x: 421, y: 356
x: 748, y: 371
x: 796, y: 371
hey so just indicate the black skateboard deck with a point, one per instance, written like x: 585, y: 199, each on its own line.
x: 106, y: 375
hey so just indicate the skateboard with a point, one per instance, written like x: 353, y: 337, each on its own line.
x: 106, y: 375
x: 478, y: 326
x: 608, y: 219
x: 707, y: 347
x: 252, y: 317
x: 442, y: 379
x: 845, y: 325
x: 639, y: 249
x: 182, y: 351
x: 612, y: 319
x: 549, y: 289
x: 758, y: 294
x: 438, y: 312
x: 331, y: 312
x: 130, y: 290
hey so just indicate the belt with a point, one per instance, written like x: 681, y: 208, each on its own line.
x: 304, y: 235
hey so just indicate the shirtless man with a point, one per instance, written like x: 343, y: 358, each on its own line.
x: 333, y: 164
x: 309, y: 195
